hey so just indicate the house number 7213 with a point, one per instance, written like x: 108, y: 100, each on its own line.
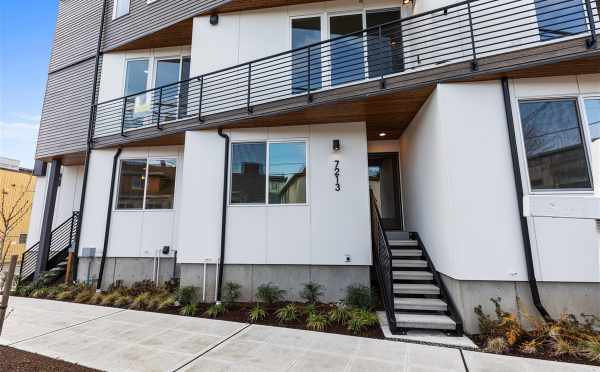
x: 336, y: 173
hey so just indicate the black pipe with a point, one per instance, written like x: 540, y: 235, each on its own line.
x: 108, y: 218
x: 224, y: 212
x: 88, y: 151
x: 535, y: 294
x: 174, y: 265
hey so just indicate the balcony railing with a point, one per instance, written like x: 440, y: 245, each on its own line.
x: 465, y: 31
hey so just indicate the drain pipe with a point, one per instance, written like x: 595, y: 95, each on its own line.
x: 221, y: 263
x: 108, y: 218
x: 88, y: 151
x: 535, y: 294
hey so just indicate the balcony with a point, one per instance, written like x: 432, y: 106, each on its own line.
x: 378, y: 74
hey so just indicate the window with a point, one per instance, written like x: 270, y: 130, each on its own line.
x: 136, y: 81
x: 347, y: 53
x: 167, y: 72
x: 556, y: 156
x: 146, y: 184
x: 558, y: 18
x: 121, y: 8
x: 306, y: 31
x: 287, y: 173
x: 592, y: 110
x: 22, y: 238
x: 286, y: 168
x: 385, y: 54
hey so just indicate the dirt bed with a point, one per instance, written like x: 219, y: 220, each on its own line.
x: 15, y: 360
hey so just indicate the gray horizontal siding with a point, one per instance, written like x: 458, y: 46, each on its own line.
x: 144, y: 19
x: 65, y: 115
x: 76, y: 33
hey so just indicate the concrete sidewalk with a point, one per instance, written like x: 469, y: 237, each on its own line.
x: 125, y: 340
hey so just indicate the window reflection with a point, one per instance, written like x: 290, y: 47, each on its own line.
x: 131, y: 184
x: 136, y: 81
x: 161, y: 184
x: 385, y: 53
x: 592, y: 109
x: 287, y: 173
x: 347, y: 53
x: 306, y: 31
x: 555, y: 153
x: 559, y: 18
x: 248, y: 173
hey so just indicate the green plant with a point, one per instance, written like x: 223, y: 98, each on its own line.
x: 496, y: 345
x: 257, y: 313
x: 189, y: 310
x: 154, y: 302
x: 269, y: 293
x: 310, y: 309
x: 122, y: 301
x: 317, y: 322
x: 141, y: 301
x: 231, y: 292
x: 561, y: 346
x: 311, y: 292
x: 96, y: 298
x: 340, y: 314
x: 24, y: 290
x: 215, y: 310
x: 530, y: 347
x: 110, y: 299
x: 40, y: 293
x: 359, y: 296
x: 166, y: 303
x: 287, y: 313
x: 360, y: 320
x: 589, y: 348
x: 186, y: 295
x: 65, y: 295
x: 84, y: 296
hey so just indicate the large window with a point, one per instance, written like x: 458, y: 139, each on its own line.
x: 286, y: 169
x: 121, y: 8
x: 592, y: 110
x: 136, y: 81
x: 385, y: 50
x: 347, y: 53
x: 146, y: 184
x: 556, y: 156
x: 558, y: 18
x: 306, y: 31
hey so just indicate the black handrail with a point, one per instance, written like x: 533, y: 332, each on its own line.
x: 437, y: 278
x: 62, y: 239
x: 463, y: 32
x: 382, y: 261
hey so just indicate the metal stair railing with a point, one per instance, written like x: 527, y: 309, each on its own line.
x: 63, y: 237
x: 382, y: 260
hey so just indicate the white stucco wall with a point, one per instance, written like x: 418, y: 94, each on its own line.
x: 328, y: 227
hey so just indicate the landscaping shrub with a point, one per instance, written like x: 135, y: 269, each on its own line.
x: 269, y: 293
x: 359, y: 296
x: 166, y: 303
x: 287, y: 313
x: 317, y: 322
x: 360, y: 320
x: 110, y: 299
x: 122, y: 300
x: 84, y: 296
x: 340, y: 314
x: 231, y: 292
x: 141, y: 301
x: 40, y: 292
x: 215, y: 310
x: 189, y: 310
x: 257, y: 313
x: 186, y: 295
x: 311, y: 292
x: 96, y: 298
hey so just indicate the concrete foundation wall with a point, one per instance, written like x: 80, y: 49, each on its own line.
x: 127, y: 269
x: 557, y: 298
x: 335, y: 279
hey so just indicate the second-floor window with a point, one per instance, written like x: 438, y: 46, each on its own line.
x: 121, y: 8
x: 559, y: 18
x: 592, y: 109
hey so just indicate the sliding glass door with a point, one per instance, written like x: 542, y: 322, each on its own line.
x: 385, y: 49
x: 306, y: 31
x: 347, y: 52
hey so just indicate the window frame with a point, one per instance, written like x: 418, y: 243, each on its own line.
x: 585, y: 97
x: 149, y: 79
x: 114, y: 13
x: 267, y: 143
x: 585, y: 140
x: 147, y: 159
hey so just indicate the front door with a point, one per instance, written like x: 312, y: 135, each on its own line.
x: 384, y: 181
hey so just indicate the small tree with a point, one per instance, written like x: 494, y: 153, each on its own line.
x: 14, y: 207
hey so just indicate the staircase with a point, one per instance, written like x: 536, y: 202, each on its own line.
x: 63, y: 237
x: 414, y: 295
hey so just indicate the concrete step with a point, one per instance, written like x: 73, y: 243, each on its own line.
x: 402, y: 243
x: 429, y: 304
x: 409, y: 263
x: 407, y: 252
x: 425, y: 321
x: 409, y: 288
x: 397, y: 235
x: 412, y: 275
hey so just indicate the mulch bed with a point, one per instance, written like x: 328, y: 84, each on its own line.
x: 15, y: 360
x: 546, y: 355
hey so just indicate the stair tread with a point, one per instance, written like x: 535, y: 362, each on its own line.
x: 415, y: 273
x: 407, y: 252
x: 409, y: 263
x: 429, y: 321
x: 415, y: 286
x: 403, y: 243
x: 427, y: 304
x: 415, y: 301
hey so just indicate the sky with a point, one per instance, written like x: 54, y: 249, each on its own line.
x: 26, y: 34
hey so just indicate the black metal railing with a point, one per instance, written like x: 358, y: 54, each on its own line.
x: 463, y: 32
x: 63, y: 237
x: 382, y: 261
x: 437, y: 278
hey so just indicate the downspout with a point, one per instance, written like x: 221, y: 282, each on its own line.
x: 223, y: 213
x: 108, y: 218
x: 88, y: 151
x: 535, y: 294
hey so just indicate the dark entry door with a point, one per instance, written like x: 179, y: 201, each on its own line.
x: 384, y: 180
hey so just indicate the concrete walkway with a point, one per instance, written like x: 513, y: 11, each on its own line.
x: 125, y: 340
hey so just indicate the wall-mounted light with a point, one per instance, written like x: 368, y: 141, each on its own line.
x: 406, y: 2
x: 214, y: 19
x: 382, y: 134
x: 336, y: 145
